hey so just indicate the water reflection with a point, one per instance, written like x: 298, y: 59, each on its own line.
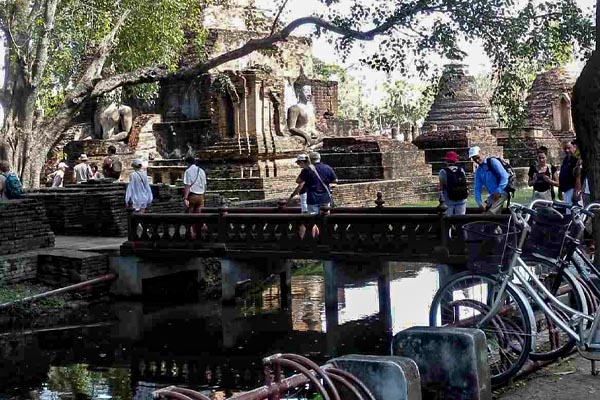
x: 130, y: 349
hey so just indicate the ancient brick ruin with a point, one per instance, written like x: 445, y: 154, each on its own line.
x: 457, y: 103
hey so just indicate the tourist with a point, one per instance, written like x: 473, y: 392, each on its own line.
x: 194, y: 179
x: 302, y: 162
x: 95, y: 173
x: 492, y: 176
x: 82, y: 171
x: 10, y: 185
x: 138, y: 194
x: 569, y: 178
x: 111, y: 165
x: 317, y: 179
x: 542, y: 177
x: 58, y: 176
x: 453, y: 185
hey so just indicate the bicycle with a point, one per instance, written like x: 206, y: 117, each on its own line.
x: 496, y: 298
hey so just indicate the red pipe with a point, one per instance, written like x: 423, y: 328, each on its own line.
x: 80, y: 285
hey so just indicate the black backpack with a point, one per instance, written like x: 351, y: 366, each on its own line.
x: 510, y: 186
x: 456, y: 184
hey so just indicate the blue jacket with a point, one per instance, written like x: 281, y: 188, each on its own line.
x: 486, y: 178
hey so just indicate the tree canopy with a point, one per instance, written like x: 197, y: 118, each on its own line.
x: 64, y: 53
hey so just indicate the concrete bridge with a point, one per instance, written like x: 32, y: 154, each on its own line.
x: 256, y: 242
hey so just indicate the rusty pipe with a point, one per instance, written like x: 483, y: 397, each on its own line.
x: 190, y: 393
x: 343, y: 382
x: 276, y: 359
x: 311, y: 364
x: 350, y: 377
x: 169, y: 393
x: 264, y: 392
x: 80, y: 285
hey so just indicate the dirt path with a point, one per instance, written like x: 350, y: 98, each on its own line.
x: 569, y: 379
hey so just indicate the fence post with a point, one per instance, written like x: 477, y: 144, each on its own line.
x: 222, y: 225
x: 441, y: 210
x: 379, y: 202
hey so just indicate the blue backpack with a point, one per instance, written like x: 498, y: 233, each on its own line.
x: 12, y: 186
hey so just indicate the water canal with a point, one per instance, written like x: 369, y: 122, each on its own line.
x: 125, y: 350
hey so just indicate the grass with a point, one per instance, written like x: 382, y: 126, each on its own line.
x: 22, y: 290
x: 307, y: 267
x: 522, y: 196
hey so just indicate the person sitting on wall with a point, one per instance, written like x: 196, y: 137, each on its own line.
x: 82, y: 171
x: 138, y: 194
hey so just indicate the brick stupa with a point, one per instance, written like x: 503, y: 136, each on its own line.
x: 457, y: 103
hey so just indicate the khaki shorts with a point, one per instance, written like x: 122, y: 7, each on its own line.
x: 196, y: 200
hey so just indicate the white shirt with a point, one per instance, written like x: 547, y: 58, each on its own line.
x: 58, y: 178
x: 83, y: 172
x: 195, y: 177
x: 138, y: 191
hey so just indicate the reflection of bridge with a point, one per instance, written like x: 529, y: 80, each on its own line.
x: 256, y: 242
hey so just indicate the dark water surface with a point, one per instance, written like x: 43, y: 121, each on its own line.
x: 125, y: 350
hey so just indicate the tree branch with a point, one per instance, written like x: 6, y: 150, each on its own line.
x: 41, y: 57
x: 276, y: 21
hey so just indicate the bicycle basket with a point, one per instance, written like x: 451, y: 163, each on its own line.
x: 488, y: 244
x: 547, y: 234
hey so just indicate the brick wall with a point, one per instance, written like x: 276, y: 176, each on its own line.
x: 17, y: 268
x: 63, y: 267
x: 23, y: 226
x: 98, y: 210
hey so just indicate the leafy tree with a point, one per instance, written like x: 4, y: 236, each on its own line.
x: 406, y: 103
x: 41, y: 33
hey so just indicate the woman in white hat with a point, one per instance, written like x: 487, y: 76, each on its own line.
x: 138, y: 193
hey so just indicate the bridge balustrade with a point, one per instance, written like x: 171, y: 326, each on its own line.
x: 395, y: 233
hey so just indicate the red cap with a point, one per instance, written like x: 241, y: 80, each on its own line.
x: 451, y: 156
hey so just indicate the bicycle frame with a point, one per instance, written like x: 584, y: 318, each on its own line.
x: 514, y: 272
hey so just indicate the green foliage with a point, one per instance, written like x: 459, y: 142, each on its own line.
x: 521, y: 38
x: 156, y: 32
x: 9, y: 293
x: 406, y: 103
x: 308, y: 267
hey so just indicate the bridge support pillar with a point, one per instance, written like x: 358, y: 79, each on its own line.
x: 133, y: 270
x: 235, y: 272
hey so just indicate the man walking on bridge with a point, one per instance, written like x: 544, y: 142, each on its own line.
x: 492, y: 176
x: 317, y: 179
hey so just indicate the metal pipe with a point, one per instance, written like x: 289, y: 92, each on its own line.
x: 351, y: 378
x: 190, y: 393
x: 300, y: 368
x: 311, y: 364
x: 80, y: 285
x: 346, y: 384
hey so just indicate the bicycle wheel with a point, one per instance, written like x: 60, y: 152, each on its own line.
x: 551, y: 341
x: 467, y: 298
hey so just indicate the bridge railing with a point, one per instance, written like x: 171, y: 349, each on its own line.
x: 395, y: 232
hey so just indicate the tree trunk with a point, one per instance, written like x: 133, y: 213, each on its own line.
x: 586, y: 119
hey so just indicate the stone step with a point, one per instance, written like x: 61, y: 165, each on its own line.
x: 239, y: 195
x: 217, y: 184
x: 67, y: 266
